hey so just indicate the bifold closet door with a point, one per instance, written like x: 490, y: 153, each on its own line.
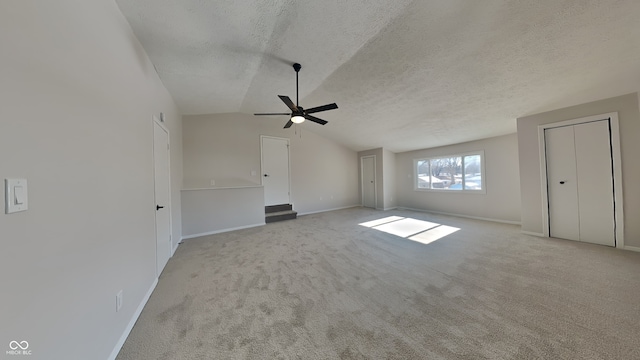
x: 595, y: 182
x: 562, y: 184
x: 580, y: 183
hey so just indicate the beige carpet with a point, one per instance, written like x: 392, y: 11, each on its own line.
x: 324, y: 287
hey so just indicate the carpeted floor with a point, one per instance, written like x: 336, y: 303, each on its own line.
x: 324, y: 287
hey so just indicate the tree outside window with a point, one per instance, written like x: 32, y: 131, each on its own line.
x: 455, y: 173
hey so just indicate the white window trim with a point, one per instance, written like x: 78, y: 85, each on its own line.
x: 463, y: 190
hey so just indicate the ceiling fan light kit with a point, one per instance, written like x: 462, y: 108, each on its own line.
x: 297, y: 119
x: 298, y: 113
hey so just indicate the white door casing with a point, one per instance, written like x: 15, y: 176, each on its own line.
x: 275, y: 170
x: 596, y: 166
x: 368, y: 178
x: 162, y: 206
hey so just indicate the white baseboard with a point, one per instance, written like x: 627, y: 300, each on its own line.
x: 462, y: 216
x: 387, y: 209
x: 632, y: 248
x: 334, y: 209
x: 173, y: 251
x: 532, y: 233
x: 129, y: 327
x: 185, y: 237
x: 629, y: 248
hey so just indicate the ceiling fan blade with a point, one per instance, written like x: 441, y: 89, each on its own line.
x: 321, y: 108
x: 288, y: 124
x: 315, y: 119
x: 288, y: 102
x: 272, y: 114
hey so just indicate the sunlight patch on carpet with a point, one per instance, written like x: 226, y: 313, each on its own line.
x: 406, y: 227
x: 377, y: 222
x: 420, y: 231
x: 434, y: 234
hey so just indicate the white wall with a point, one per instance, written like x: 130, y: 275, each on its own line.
x: 502, y: 200
x: 629, y: 120
x: 226, y: 148
x: 389, y: 170
x: 210, y: 211
x: 76, y: 102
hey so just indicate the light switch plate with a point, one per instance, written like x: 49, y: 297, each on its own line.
x: 13, y: 202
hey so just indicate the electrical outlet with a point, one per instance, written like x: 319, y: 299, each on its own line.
x: 119, y: 301
x: 213, y: 182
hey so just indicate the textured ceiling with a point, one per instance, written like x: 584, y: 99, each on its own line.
x: 405, y: 74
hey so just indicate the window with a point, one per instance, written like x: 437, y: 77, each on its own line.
x: 464, y: 172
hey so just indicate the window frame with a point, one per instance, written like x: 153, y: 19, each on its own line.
x: 483, y: 184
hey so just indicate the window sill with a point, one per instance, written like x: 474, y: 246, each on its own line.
x: 477, y: 192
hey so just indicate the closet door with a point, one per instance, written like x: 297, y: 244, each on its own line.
x: 562, y: 185
x: 595, y: 182
x: 580, y: 183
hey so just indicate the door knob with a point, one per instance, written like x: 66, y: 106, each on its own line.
x: 158, y: 207
x: 266, y: 175
x: 562, y: 182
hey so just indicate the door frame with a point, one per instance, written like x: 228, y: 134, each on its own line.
x: 172, y: 249
x: 614, y: 132
x: 375, y: 181
x: 262, y: 137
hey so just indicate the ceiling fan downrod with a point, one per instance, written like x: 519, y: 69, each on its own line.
x: 297, y: 68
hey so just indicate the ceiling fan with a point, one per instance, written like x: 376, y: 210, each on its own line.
x: 298, y: 114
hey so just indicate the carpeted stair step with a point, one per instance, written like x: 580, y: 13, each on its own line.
x: 280, y: 216
x: 277, y: 208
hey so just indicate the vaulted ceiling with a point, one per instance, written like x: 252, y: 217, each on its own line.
x: 405, y: 74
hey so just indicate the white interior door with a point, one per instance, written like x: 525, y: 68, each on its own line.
x: 275, y: 170
x: 162, y: 208
x: 368, y: 168
x: 595, y: 187
x: 580, y: 182
x: 564, y: 220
